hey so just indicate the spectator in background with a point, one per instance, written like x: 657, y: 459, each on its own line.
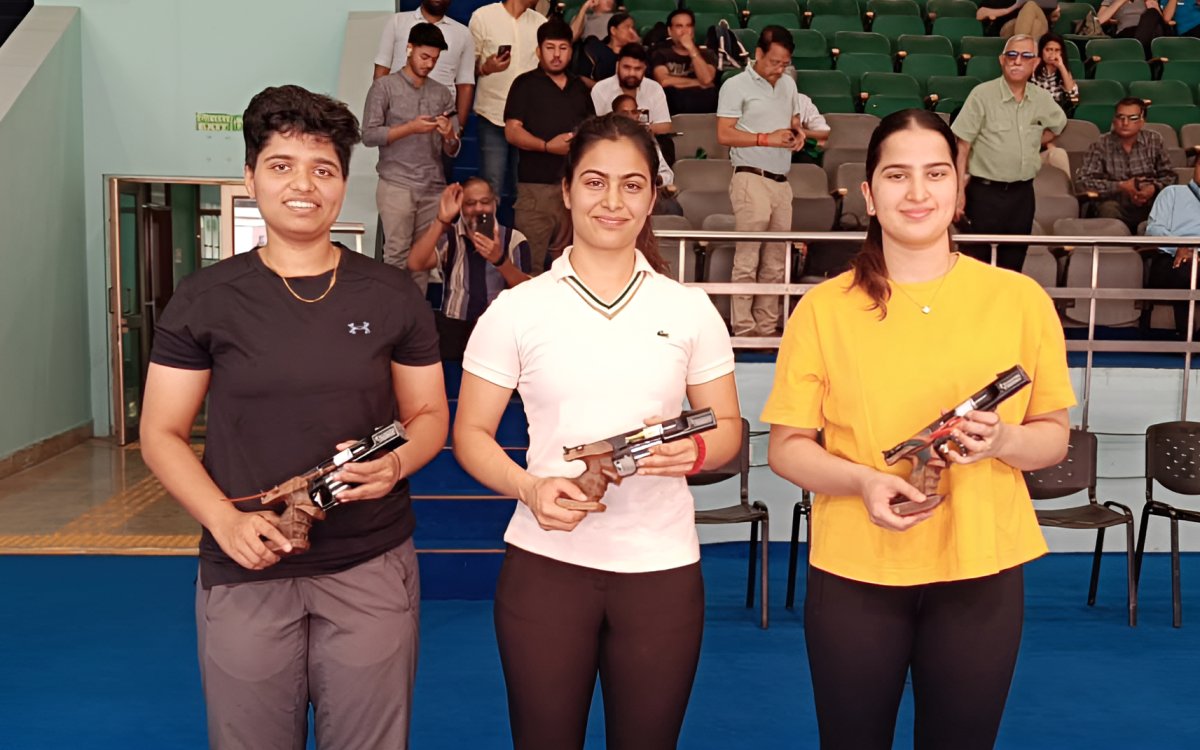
x: 757, y: 119
x: 599, y: 58
x: 1000, y: 131
x: 626, y: 106
x: 1176, y: 213
x: 406, y: 118
x: 1006, y: 18
x: 592, y: 19
x: 1186, y: 15
x: 456, y: 66
x: 505, y: 35
x: 544, y: 107
x: 1052, y: 73
x: 630, y: 79
x: 1136, y: 19
x: 1127, y: 166
x: 687, y: 73
x: 475, y: 266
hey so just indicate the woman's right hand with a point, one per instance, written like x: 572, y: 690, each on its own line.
x: 877, y: 493
x: 240, y: 536
x: 541, y: 494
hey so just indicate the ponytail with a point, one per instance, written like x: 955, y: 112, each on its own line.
x: 870, y: 269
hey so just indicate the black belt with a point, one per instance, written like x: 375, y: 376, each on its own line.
x: 762, y: 173
x: 1001, y: 185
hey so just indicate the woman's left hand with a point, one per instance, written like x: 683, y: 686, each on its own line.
x: 374, y: 479
x: 674, y: 459
x: 982, y: 434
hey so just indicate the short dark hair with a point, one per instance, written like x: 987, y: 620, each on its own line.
x: 681, y: 12
x: 556, y: 29
x: 616, y: 20
x: 1130, y: 101
x: 635, y: 51
x: 293, y: 109
x: 476, y: 179
x: 621, y: 100
x: 426, y: 35
x: 776, y: 35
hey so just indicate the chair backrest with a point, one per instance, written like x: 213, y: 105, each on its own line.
x: 738, y: 466
x: 1125, y: 71
x: 981, y: 46
x: 1100, y: 92
x: 1075, y: 473
x: 703, y: 174
x: 920, y: 44
x: 1078, y: 135
x: 850, y: 177
x: 1189, y: 135
x: 1172, y: 457
x: 984, y: 68
x: 1165, y: 131
x: 1114, y: 49
x: 1163, y: 92
x: 1176, y: 48
x: 923, y: 67
x: 853, y: 42
x: 890, y: 84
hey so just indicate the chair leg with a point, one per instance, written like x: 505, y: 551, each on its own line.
x: 793, y: 557
x: 1096, y: 567
x: 753, y: 563
x: 766, y: 545
x: 1176, y: 603
x: 1141, y: 546
x: 1132, y: 586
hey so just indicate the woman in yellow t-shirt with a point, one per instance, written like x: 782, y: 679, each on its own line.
x: 870, y: 358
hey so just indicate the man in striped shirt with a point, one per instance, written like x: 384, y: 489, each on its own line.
x: 475, y: 267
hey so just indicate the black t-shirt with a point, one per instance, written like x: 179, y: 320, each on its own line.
x: 545, y: 111
x: 289, y: 381
x: 598, y: 61
x: 678, y: 64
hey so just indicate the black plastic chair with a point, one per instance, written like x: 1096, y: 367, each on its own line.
x: 802, y: 509
x: 1077, y: 473
x: 1172, y: 453
x: 745, y: 511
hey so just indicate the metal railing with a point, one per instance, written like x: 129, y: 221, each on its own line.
x: 1092, y: 293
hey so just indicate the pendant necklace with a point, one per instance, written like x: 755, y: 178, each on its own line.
x: 928, y: 308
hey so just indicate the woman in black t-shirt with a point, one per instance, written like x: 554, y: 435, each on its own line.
x: 298, y: 347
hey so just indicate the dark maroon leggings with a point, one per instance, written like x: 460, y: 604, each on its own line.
x: 959, y: 639
x: 558, y: 625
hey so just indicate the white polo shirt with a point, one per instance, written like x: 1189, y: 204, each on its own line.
x: 587, y: 371
x: 650, y: 96
x: 456, y: 64
x: 491, y: 26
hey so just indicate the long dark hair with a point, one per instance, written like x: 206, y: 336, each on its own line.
x: 1047, y: 38
x: 614, y: 127
x: 870, y: 269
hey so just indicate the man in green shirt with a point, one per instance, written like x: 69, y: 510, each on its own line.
x: 1001, y: 130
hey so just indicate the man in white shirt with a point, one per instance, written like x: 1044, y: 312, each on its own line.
x: 505, y: 36
x: 631, y: 80
x: 456, y: 66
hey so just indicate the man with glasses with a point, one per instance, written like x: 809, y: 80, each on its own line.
x: 1001, y: 129
x: 1126, y: 167
x: 757, y: 119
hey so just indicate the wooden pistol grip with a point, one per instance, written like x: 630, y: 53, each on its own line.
x: 598, y: 474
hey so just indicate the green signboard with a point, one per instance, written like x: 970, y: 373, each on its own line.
x: 212, y: 121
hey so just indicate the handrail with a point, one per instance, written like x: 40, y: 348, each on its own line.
x: 1091, y: 293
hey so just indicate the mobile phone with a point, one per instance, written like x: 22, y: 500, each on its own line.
x: 644, y: 116
x: 485, y: 224
x: 504, y: 51
x: 450, y: 113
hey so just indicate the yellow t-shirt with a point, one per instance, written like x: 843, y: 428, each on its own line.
x: 871, y: 383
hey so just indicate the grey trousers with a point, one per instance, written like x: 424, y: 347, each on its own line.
x: 345, y: 642
x: 406, y: 213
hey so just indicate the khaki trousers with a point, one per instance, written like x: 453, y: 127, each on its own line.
x: 540, y: 215
x: 1031, y: 21
x: 406, y: 213
x: 759, y: 205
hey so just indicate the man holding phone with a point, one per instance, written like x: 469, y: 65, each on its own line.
x: 505, y: 37
x: 479, y: 259
x: 409, y: 117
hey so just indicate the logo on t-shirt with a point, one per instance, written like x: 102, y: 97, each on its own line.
x: 357, y: 328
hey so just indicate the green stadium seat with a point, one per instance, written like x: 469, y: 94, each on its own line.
x: 1172, y: 93
x: 984, y: 68
x: 1070, y: 14
x: 878, y: 8
x: 1175, y: 48
x: 706, y: 20
x: 955, y: 29
x: 1174, y: 115
x: 749, y: 39
x: 882, y: 106
x: 855, y: 65
x: 1187, y: 71
x: 786, y: 20
x: 855, y: 42
x: 936, y: 9
x: 811, y: 51
x: 830, y: 90
x: 920, y: 44
x: 1112, y: 50
x: 894, y: 27
x: 1078, y: 71
x: 833, y: 8
x: 774, y: 6
x: 831, y: 24
x: 645, y: 19
x: 1125, y: 71
x: 921, y: 67
x: 951, y: 91
x: 981, y: 46
x: 889, y: 84
x: 1100, y: 115
x: 1100, y: 92
x: 726, y: 8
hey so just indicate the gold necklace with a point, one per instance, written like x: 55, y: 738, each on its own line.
x: 927, y: 308
x: 324, y: 294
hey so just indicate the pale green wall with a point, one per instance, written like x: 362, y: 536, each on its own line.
x: 44, y: 371
x: 150, y: 65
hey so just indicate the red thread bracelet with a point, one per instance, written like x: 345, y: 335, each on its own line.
x: 761, y: 141
x: 701, y: 453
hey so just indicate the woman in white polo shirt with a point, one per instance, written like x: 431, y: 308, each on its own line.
x: 596, y: 346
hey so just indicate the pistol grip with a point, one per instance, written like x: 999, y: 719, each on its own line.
x: 600, y: 473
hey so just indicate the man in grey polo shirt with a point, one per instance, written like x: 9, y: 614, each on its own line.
x: 756, y: 118
x: 1001, y: 129
x: 407, y: 118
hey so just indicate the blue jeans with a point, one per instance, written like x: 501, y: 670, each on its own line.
x: 498, y: 165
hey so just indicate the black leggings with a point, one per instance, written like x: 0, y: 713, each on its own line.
x: 960, y: 640
x: 559, y: 624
